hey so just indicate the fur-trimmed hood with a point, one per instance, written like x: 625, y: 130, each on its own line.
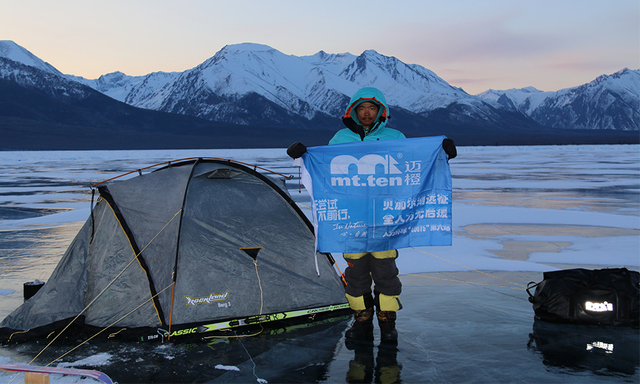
x: 372, y: 95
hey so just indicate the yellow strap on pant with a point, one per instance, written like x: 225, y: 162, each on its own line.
x: 392, y: 254
x: 389, y: 303
x: 356, y: 303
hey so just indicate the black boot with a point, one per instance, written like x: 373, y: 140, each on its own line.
x: 387, y: 323
x: 362, y: 328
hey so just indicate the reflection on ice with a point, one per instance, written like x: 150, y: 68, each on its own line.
x: 574, y: 348
x: 365, y: 367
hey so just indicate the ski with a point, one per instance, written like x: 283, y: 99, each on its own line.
x: 253, y: 320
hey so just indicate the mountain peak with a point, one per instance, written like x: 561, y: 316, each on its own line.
x: 625, y: 71
x: 13, y: 51
x: 530, y: 89
x: 243, y: 47
x: 625, y: 80
x: 370, y: 52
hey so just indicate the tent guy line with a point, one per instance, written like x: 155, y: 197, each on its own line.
x: 100, y: 294
x: 97, y: 333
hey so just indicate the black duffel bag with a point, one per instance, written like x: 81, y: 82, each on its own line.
x: 583, y: 296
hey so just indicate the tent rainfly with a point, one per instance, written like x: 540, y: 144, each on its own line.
x: 196, y: 246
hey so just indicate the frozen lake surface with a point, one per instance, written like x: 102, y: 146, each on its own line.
x: 517, y: 212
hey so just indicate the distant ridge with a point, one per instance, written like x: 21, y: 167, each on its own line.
x: 609, y: 102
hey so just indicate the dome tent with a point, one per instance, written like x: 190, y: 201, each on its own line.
x: 198, y: 245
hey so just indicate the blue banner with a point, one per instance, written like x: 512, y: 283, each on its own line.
x: 379, y: 195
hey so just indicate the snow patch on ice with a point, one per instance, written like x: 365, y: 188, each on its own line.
x: 96, y: 360
x: 227, y: 367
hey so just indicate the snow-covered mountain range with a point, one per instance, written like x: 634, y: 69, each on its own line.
x: 224, y: 87
x: 608, y: 102
x: 255, y: 85
x: 309, y: 86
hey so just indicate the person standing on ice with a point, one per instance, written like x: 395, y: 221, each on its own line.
x: 366, y: 118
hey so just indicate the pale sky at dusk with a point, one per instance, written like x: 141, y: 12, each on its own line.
x: 473, y: 44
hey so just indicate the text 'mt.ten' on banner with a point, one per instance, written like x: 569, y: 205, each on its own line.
x: 379, y: 195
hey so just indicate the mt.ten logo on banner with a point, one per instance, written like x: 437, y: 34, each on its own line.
x: 365, y: 166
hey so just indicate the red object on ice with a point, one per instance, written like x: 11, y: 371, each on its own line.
x: 57, y: 371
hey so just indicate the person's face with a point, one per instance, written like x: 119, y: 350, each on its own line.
x: 367, y: 113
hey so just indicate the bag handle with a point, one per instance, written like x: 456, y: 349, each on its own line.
x: 529, y: 286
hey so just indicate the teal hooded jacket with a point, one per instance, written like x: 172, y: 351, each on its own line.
x: 355, y: 131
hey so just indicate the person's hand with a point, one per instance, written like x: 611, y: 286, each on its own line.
x: 450, y: 148
x: 296, y: 150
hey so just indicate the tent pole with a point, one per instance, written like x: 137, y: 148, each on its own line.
x: 173, y: 289
x: 175, y: 266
